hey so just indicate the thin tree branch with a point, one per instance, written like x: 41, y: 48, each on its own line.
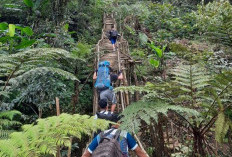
x: 8, y: 79
x: 184, y: 119
x: 86, y: 81
x: 209, y: 125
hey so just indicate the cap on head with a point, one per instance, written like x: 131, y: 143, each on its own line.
x: 102, y: 103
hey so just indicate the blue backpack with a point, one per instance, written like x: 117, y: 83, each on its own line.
x: 103, y: 76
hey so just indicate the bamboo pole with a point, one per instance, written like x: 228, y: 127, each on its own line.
x: 119, y: 68
x: 140, y: 144
x: 125, y: 83
x: 136, y: 83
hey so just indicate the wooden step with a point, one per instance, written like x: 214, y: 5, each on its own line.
x: 109, y: 23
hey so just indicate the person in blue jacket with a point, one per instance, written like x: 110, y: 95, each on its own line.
x: 126, y: 142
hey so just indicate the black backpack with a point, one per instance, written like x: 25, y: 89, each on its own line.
x: 113, y: 34
x: 108, y: 147
x: 111, y: 117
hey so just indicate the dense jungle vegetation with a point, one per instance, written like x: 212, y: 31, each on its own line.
x: 184, y: 70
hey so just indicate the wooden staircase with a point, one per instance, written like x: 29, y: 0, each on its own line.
x: 120, y: 60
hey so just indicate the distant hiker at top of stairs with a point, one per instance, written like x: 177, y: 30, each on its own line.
x: 113, y: 34
x: 104, y: 82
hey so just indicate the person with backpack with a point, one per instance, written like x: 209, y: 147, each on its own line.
x: 113, y: 34
x: 104, y: 113
x: 103, y: 83
x: 113, y: 143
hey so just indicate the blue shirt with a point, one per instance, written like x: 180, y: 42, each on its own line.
x: 126, y: 142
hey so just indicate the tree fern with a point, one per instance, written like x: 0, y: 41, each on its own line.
x: 147, y: 111
x: 29, y: 62
x: 26, y: 59
x: 193, y: 87
x: 44, y: 137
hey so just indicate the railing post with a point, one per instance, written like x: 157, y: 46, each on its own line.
x: 57, y: 106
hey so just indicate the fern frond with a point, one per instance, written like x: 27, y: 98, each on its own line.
x: 193, y: 80
x: 221, y: 127
x: 9, y: 114
x: 4, y: 93
x: 44, y: 70
x: 43, y: 138
x: 4, y: 134
x: 5, y: 123
x: 147, y: 111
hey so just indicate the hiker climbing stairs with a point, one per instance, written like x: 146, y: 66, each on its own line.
x: 120, y: 60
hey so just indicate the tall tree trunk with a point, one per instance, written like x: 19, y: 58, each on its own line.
x: 158, y: 143
x: 75, y: 96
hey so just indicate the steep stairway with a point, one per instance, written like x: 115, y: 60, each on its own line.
x: 120, y: 60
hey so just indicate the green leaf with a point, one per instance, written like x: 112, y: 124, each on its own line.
x: 49, y: 35
x: 159, y: 52
x: 28, y: 31
x: 11, y: 30
x: 131, y: 30
x: 154, y: 63
x: 29, y: 3
x: 3, y: 26
x: 25, y: 43
x: 143, y: 38
x: 66, y: 26
x: 219, y: 124
x: 4, y: 39
x: 19, y: 27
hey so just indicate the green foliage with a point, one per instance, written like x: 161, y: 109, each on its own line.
x: 43, y: 138
x: 143, y: 38
x: 24, y: 65
x: 191, y: 81
x: 9, y: 114
x: 159, y: 54
x: 7, y: 122
x: 215, y: 21
x: 191, y: 86
x: 15, y: 38
x: 81, y: 50
x: 24, y: 61
x: 11, y: 30
x: 29, y: 3
x: 33, y: 88
x: 167, y: 22
x: 222, y: 126
x: 149, y: 111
